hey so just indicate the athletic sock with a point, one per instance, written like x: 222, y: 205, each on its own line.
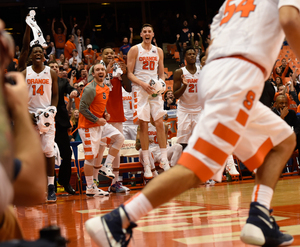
x: 116, y: 179
x: 262, y: 194
x: 89, y: 181
x: 109, y: 159
x: 137, y: 206
x: 164, y: 155
x: 146, y: 157
x: 50, y: 180
x: 95, y: 174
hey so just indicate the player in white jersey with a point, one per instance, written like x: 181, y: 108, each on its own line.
x: 145, y: 62
x: 247, y: 36
x: 129, y: 128
x: 173, y: 152
x: 43, y: 93
x: 186, y: 90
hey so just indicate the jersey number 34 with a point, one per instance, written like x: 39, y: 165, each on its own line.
x: 245, y: 6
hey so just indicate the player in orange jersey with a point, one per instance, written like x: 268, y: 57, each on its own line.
x: 93, y: 128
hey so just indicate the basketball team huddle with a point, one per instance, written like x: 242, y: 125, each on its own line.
x: 219, y: 114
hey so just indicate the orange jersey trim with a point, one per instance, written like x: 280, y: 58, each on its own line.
x: 258, y: 158
x: 210, y: 151
x: 198, y: 167
x: 226, y: 134
x: 242, y: 118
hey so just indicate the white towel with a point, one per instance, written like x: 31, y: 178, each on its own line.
x: 38, y: 37
x: 45, y: 117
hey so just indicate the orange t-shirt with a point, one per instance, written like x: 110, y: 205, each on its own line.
x: 59, y: 40
x: 96, y: 97
x: 69, y: 47
x: 90, y: 54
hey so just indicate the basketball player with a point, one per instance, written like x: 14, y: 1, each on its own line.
x: 185, y: 89
x: 43, y: 93
x: 129, y: 129
x: 145, y: 62
x: 247, y: 36
x: 93, y: 127
x: 173, y: 152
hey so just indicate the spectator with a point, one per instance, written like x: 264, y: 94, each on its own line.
x: 282, y: 70
x: 180, y: 48
x: 61, y: 59
x: 284, y: 65
x: 185, y: 32
x: 78, y: 40
x: 83, y: 77
x: 289, y: 116
x: 69, y: 47
x: 126, y: 45
x: 268, y: 93
x: 59, y: 37
x: 89, y: 55
x: 74, y: 136
x: 74, y: 55
x: 170, y: 101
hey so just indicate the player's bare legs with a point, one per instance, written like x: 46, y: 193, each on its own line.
x: 162, y: 142
x: 269, y: 172
x: 50, y: 163
x: 144, y: 137
x: 164, y: 187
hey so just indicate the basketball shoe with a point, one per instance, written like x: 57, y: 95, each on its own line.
x: 147, y: 172
x: 261, y: 228
x: 95, y: 191
x: 51, y: 193
x: 112, y: 229
x: 106, y: 170
x: 164, y: 164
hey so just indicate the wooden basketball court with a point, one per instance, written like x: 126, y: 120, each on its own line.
x: 205, y: 216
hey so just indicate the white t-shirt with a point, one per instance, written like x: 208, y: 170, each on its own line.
x: 253, y: 32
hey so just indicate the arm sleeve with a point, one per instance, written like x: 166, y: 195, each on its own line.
x: 294, y: 3
x: 87, y: 98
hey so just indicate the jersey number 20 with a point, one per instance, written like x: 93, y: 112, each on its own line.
x: 148, y: 65
x: 246, y: 6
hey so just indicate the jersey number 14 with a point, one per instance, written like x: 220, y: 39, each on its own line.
x: 245, y: 6
x: 40, y: 90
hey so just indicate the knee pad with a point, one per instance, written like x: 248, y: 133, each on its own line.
x: 117, y: 141
x: 89, y: 162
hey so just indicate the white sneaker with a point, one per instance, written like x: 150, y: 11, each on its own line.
x: 164, y: 164
x: 231, y: 169
x: 147, y: 172
x: 155, y: 174
x: 106, y: 170
x: 95, y: 191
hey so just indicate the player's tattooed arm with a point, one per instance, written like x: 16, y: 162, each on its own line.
x: 179, y: 87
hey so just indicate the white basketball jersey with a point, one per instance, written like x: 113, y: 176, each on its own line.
x: 40, y: 89
x: 152, y: 136
x: 146, y: 64
x: 188, y: 101
x: 127, y: 106
x: 250, y: 29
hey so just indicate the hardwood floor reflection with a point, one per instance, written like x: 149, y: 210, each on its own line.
x: 204, y: 216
